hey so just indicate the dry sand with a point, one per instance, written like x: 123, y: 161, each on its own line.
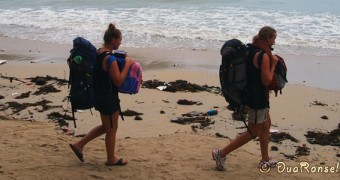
x: 33, y: 147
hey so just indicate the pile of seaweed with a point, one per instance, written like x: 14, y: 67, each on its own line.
x: 45, y: 87
x: 278, y: 137
x: 17, y: 107
x: 180, y: 85
x: 332, y: 138
x: 194, y: 117
x: 39, y: 80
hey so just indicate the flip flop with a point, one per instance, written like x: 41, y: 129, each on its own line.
x: 118, y: 163
x: 78, y: 154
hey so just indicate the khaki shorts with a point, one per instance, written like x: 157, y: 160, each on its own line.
x: 261, y: 115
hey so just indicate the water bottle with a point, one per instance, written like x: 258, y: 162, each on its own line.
x: 212, y: 112
x: 78, y: 59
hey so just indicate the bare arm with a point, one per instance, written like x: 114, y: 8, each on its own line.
x: 118, y: 77
x: 267, y: 69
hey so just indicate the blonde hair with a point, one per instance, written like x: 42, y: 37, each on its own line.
x: 265, y: 33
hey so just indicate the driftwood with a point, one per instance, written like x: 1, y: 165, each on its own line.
x: 11, y: 78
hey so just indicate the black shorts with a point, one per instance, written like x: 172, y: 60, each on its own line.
x: 107, y: 105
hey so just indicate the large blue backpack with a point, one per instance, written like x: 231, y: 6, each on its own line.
x: 81, y: 63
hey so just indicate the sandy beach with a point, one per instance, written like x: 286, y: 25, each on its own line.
x: 33, y: 146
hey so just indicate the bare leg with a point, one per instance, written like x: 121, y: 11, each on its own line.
x: 94, y: 133
x: 241, y: 140
x: 110, y: 137
x: 264, y: 138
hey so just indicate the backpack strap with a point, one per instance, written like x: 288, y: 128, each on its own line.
x: 259, y: 58
x: 259, y: 63
x: 109, y: 61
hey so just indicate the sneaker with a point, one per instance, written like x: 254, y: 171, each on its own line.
x: 271, y: 163
x: 219, y: 160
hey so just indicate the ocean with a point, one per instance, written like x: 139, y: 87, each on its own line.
x: 304, y: 27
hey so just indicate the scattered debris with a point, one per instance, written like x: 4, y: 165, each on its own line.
x: 182, y: 85
x: 189, y: 120
x: 212, y: 112
x: 302, y: 150
x: 11, y: 78
x: 17, y: 107
x: 39, y: 80
x: 193, y: 114
x: 165, y: 101
x: 4, y: 118
x: 324, y: 117
x: 46, y: 89
x: 291, y: 157
x: 23, y: 95
x: 152, y: 84
x: 188, y: 102
x: 2, y: 97
x: 138, y: 118
x: 80, y: 135
x: 221, y: 135
x: 131, y: 113
x: 194, y: 117
x: 70, y: 132
x: 317, y: 103
x: 179, y: 85
x: 332, y: 138
x: 212, y: 89
x: 242, y: 127
x: 274, y: 148
x: 277, y: 137
x: 61, y: 119
x: 162, y: 112
x: 194, y: 127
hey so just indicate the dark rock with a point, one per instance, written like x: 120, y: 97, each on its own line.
x: 40, y: 81
x: 138, y: 118
x: 274, y: 148
x: 324, y: 117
